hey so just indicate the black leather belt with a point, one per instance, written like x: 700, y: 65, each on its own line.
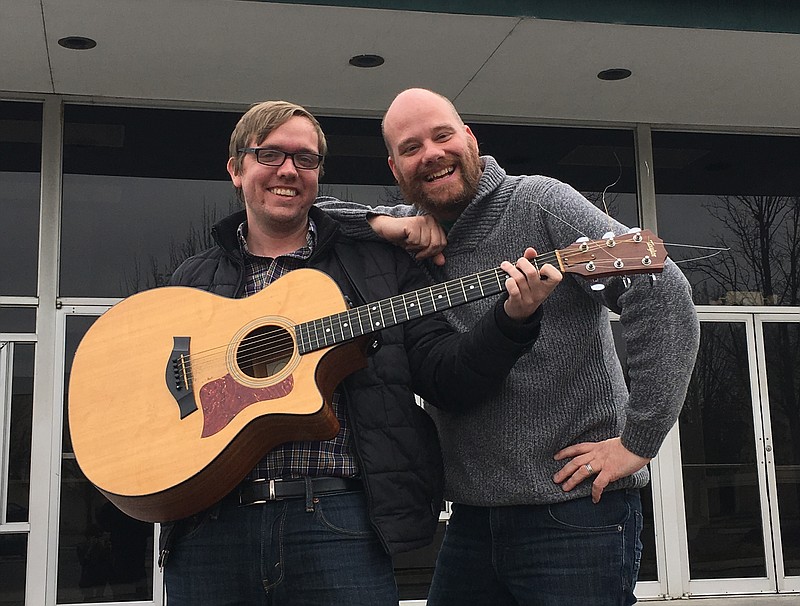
x: 261, y: 491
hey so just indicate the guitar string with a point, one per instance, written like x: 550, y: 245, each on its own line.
x: 437, y: 290
x: 285, y: 343
x: 282, y: 344
x: 255, y: 343
x: 450, y: 289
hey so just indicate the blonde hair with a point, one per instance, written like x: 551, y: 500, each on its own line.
x: 263, y: 118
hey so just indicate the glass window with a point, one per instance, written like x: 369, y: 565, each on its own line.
x: 16, y: 319
x: 720, y: 477
x: 13, y: 562
x: 141, y: 189
x: 104, y: 555
x: 735, y: 192
x: 20, y: 162
x: 18, y: 359
x: 593, y: 161
x: 782, y: 349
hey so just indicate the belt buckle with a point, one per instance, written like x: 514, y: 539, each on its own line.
x: 271, y: 497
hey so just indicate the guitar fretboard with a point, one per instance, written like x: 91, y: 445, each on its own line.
x: 378, y: 315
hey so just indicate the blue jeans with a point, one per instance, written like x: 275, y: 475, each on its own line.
x: 573, y: 553
x: 279, y: 554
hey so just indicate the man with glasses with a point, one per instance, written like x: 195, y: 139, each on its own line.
x: 316, y: 522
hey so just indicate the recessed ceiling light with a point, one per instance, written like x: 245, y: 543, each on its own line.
x: 366, y: 60
x: 615, y: 73
x: 77, y: 43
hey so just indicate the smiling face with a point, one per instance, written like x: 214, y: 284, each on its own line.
x: 432, y: 154
x: 277, y: 198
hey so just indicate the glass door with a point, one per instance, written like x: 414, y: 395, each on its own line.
x: 740, y: 452
x: 103, y: 555
x: 778, y: 347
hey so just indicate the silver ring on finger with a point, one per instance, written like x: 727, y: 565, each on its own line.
x: 589, y: 469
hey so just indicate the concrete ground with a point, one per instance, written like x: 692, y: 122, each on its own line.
x: 770, y: 600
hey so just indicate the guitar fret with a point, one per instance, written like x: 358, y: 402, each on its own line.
x: 360, y: 311
x: 382, y: 322
x: 399, y: 308
x: 327, y: 327
x: 469, y: 288
x: 412, y: 308
x: 457, y: 295
x: 346, y: 322
x: 303, y: 337
x: 342, y: 336
x: 314, y: 333
x: 347, y: 325
x: 425, y: 298
x: 499, y: 282
x: 490, y: 282
x: 447, y: 292
x: 392, y: 319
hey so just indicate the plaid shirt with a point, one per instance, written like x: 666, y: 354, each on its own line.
x: 296, y: 459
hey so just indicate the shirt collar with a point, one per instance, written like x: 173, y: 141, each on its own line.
x: 303, y: 252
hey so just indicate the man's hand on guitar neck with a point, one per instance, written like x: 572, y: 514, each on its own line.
x: 528, y: 286
x: 423, y: 236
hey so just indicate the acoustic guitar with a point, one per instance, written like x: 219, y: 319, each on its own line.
x: 175, y: 394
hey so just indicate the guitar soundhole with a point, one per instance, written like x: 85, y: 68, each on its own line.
x: 265, y: 351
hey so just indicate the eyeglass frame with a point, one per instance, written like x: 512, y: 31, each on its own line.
x: 255, y: 150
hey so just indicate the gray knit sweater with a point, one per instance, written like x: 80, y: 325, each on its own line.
x: 570, y: 388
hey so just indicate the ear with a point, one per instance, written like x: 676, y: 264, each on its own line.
x: 237, y: 180
x: 471, y: 134
x: 393, y: 168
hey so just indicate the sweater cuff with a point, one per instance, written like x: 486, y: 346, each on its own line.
x: 524, y: 331
x: 643, y: 440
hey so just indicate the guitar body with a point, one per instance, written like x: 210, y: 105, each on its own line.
x: 169, y: 408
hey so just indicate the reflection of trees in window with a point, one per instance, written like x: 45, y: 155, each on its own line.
x: 716, y: 420
x: 782, y: 344
x: 763, y: 264
x: 155, y: 271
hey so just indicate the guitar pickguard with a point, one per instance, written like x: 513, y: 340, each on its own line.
x: 224, y: 398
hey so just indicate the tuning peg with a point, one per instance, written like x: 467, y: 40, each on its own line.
x: 653, y: 278
x: 583, y: 243
x: 626, y: 281
x: 634, y: 230
x: 609, y: 235
x: 597, y: 286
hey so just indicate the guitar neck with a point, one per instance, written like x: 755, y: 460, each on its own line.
x: 365, y: 319
x: 636, y: 252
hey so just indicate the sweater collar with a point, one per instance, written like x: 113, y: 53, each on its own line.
x: 482, y: 213
x: 491, y: 178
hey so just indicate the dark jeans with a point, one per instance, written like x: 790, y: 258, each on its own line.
x: 573, y: 553
x: 279, y: 554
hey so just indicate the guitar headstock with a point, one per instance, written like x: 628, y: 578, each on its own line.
x: 637, y: 252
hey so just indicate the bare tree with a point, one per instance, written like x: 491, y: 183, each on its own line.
x: 195, y: 239
x: 763, y: 235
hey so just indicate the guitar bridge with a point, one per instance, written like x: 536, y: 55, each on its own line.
x: 178, y: 376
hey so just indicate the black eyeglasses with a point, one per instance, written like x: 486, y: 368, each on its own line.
x: 276, y: 157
